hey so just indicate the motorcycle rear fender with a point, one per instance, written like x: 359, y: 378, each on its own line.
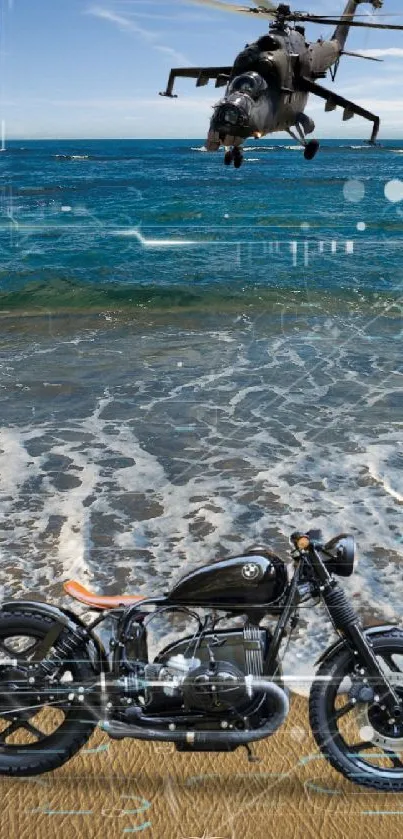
x: 64, y: 619
x: 369, y: 630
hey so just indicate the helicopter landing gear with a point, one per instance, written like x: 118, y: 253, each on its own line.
x: 234, y: 156
x: 228, y: 157
x: 311, y: 149
x: 238, y: 157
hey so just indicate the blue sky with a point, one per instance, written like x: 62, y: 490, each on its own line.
x: 77, y: 68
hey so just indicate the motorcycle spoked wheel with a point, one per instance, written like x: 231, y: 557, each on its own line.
x: 357, y: 739
x: 37, y: 738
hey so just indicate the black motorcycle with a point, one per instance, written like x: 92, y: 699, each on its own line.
x: 213, y: 690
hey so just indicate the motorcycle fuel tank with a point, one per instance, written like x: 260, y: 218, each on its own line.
x: 258, y: 578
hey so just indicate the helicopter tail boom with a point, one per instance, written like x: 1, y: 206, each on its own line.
x: 342, y: 30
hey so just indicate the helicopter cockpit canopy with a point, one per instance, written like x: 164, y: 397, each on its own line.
x: 250, y: 83
x: 268, y: 43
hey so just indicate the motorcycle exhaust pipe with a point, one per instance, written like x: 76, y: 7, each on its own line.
x: 118, y: 730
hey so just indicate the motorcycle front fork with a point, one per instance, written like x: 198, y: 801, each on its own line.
x: 347, y: 623
x: 363, y: 650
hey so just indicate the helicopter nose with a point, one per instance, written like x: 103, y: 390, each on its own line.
x: 232, y: 118
x: 231, y: 115
x: 238, y: 117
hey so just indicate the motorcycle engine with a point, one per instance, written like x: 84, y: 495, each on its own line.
x: 218, y: 687
x: 213, y: 681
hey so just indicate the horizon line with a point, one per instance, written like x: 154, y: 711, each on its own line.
x: 202, y: 139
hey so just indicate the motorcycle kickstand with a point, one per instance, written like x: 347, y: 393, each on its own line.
x: 251, y: 757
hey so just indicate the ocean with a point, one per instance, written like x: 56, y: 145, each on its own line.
x: 195, y: 359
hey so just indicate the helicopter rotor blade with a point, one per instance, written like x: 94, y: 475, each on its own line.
x: 266, y: 9
x: 229, y: 7
x: 367, y: 17
x: 336, y: 21
x: 266, y: 5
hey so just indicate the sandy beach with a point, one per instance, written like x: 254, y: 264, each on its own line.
x: 115, y: 789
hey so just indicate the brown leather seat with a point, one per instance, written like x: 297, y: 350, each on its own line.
x: 97, y: 601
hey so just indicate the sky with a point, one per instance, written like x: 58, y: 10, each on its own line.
x: 93, y: 68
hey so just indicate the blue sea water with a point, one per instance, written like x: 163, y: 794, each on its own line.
x: 76, y: 215
x: 195, y: 358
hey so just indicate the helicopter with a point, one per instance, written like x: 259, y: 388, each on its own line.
x: 268, y: 86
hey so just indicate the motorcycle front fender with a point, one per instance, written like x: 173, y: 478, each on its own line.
x: 64, y: 619
x: 379, y: 629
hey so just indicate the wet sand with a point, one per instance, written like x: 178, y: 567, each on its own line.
x: 115, y: 789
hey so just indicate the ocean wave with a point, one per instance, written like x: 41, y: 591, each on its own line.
x: 63, y: 294
x: 16, y: 150
x: 327, y: 149
x: 264, y: 148
x: 96, y: 480
x: 73, y: 156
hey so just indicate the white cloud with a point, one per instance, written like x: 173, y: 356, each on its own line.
x: 124, y: 23
x: 380, y: 53
x: 114, y: 104
x: 127, y: 24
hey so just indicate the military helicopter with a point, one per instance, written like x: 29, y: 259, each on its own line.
x: 267, y: 87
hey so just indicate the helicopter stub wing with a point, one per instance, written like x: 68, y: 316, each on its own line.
x: 201, y: 74
x: 333, y: 100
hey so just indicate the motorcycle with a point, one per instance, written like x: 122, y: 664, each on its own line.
x: 214, y: 690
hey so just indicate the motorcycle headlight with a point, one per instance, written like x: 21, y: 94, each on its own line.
x: 342, y: 549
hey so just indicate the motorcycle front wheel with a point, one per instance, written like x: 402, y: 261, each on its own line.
x: 356, y: 736
x: 37, y: 734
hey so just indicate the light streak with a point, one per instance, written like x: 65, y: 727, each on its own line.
x: 155, y: 243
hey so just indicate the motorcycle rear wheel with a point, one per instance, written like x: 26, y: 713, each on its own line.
x: 36, y: 738
x: 376, y: 759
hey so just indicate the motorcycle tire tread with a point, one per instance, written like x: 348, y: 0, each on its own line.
x: 83, y: 728
x: 322, y: 740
